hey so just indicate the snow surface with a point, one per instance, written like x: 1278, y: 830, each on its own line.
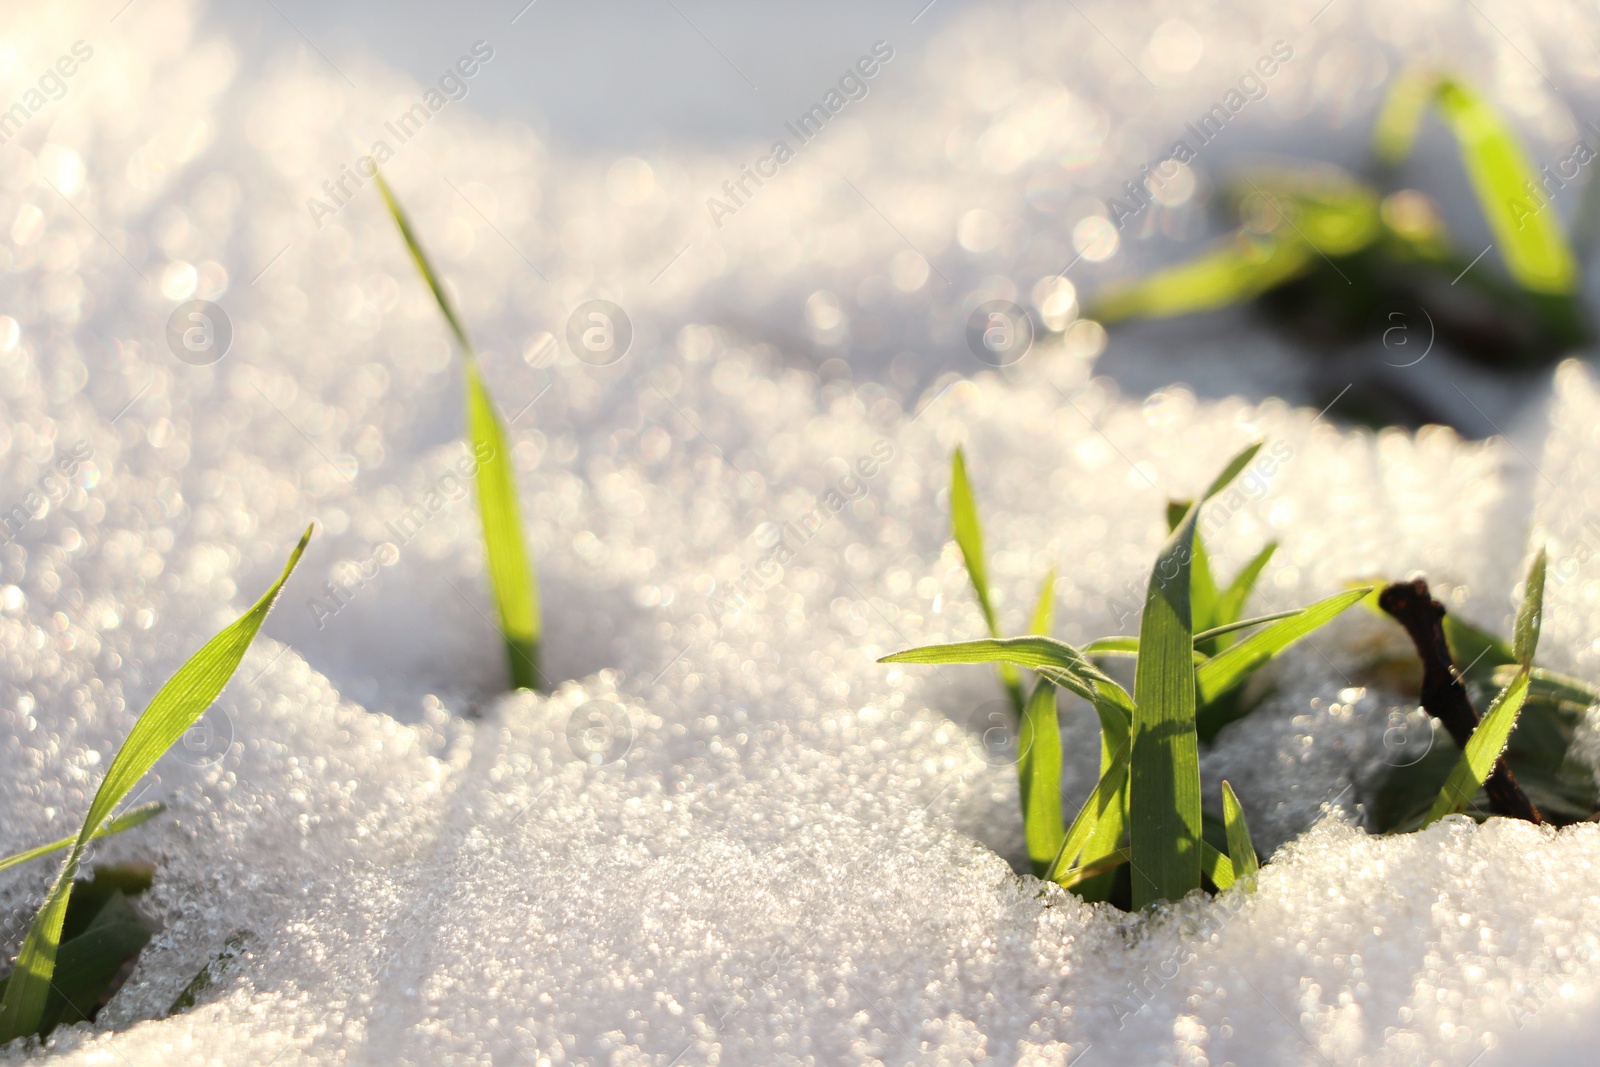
x: 733, y: 837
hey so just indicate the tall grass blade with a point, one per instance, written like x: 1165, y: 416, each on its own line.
x: 1231, y: 601
x: 511, y: 579
x: 1489, y: 740
x: 1527, y: 233
x: 182, y: 700
x: 1229, y: 668
x: 1164, y: 772
x: 1039, y: 777
x: 1241, y: 850
x: 1083, y: 824
x: 968, y: 533
x: 1044, y: 611
x: 1202, y: 585
x: 126, y: 821
x: 516, y: 597
x: 1483, y: 749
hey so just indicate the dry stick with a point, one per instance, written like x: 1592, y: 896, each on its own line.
x: 1443, y: 695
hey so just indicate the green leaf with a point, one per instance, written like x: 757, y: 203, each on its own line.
x: 1243, y: 267
x: 1052, y: 659
x: 1525, y: 633
x: 1528, y: 237
x: 1230, y: 667
x: 126, y: 821
x: 1241, y: 852
x: 1245, y: 624
x: 1164, y: 772
x: 1552, y: 686
x: 1039, y: 776
x: 1125, y: 647
x: 1202, y: 586
x: 182, y: 700
x: 1483, y: 749
x: 511, y: 579
x: 516, y: 597
x: 1231, y: 601
x: 1114, y: 707
x: 1084, y: 872
x: 1475, y: 650
x: 1094, y: 809
x: 1489, y: 740
x: 1217, y: 867
x: 87, y: 964
x: 1044, y: 611
x: 968, y: 534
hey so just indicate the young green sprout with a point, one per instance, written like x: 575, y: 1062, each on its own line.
x: 1145, y: 809
x: 171, y: 712
x: 1331, y: 256
x: 511, y: 578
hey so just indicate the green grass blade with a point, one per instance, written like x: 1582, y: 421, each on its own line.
x: 968, y: 533
x: 1241, y: 851
x: 1089, y: 869
x: 1525, y: 632
x: 1232, y: 666
x: 511, y: 578
x: 1083, y: 824
x: 87, y: 964
x: 1164, y: 772
x: 1044, y: 611
x: 1217, y: 867
x: 1395, y: 132
x: 1500, y: 171
x: 126, y: 821
x: 1483, y: 749
x: 1114, y: 707
x: 424, y: 267
x: 1039, y: 777
x: 1551, y: 686
x: 516, y: 597
x: 1231, y: 601
x: 1242, y: 267
x: 1489, y: 740
x: 1125, y: 648
x: 1245, y: 624
x: 182, y: 700
x: 1472, y: 648
x: 1202, y: 586
x: 1056, y: 660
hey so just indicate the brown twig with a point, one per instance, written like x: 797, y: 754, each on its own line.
x: 1443, y: 695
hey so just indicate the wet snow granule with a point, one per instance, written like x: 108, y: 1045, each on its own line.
x: 732, y: 837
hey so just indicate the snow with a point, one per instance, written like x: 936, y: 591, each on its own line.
x: 732, y: 836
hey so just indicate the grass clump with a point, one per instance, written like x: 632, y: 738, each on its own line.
x: 1517, y: 761
x: 46, y: 968
x: 1331, y: 256
x: 511, y: 577
x: 1144, y: 813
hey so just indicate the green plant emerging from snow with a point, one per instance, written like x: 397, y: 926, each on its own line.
x: 171, y: 712
x: 1145, y: 810
x: 1333, y: 256
x: 511, y: 578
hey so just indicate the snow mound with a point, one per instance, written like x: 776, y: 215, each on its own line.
x: 731, y: 835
